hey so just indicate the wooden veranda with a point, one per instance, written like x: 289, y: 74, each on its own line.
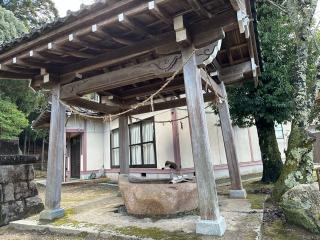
x: 143, y: 56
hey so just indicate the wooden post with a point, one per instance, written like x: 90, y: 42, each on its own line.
x: 42, y: 155
x: 236, y: 190
x: 211, y: 223
x: 175, y: 139
x: 55, y: 159
x: 124, y: 154
x: 106, y: 144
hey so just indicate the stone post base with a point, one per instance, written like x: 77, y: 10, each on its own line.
x: 51, y: 214
x: 238, y: 194
x: 211, y: 227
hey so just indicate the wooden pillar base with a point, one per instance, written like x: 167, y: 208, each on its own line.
x: 51, y: 214
x: 242, y: 194
x: 211, y: 227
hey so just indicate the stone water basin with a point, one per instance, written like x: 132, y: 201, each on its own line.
x: 158, y: 198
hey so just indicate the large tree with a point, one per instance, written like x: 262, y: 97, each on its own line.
x: 33, y: 13
x: 299, y: 160
x: 10, y: 26
x: 271, y: 101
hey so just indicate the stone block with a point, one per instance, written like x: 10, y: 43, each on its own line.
x: 241, y: 194
x: 24, y: 172
x: 1, y: 194
x: 154, y: 199
x: 33, y: 191
x: 301, y: 206
x: 34, y: 205
x: 11, y: 211
x: 211, y: 227
x: 7, y: 174
x: 18, y: 159
x: 51, y: 214
x: 21, y: 190
x: 8, y: 190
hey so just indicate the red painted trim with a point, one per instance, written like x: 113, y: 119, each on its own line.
x: 250, y: 144
x: 84, y: 145
x: 175, y: 137
x: 183, y: 170
x: 74, y: 130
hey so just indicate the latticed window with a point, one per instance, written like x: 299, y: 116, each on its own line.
x: 142, y: 145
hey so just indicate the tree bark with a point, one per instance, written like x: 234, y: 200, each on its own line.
x: 271, y: 156
x: 299, y: 159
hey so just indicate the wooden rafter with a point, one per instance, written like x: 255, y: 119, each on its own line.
x: 197, y: 6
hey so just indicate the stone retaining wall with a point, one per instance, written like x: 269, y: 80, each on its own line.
x: 18, y: 193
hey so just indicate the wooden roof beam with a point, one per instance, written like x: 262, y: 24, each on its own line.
x: 238, y: 5
x: 73, y: 39
x: 197, y: 6
x: 94, y: 106
x: 150, y: 89
x: 158, y: 68
x: 60, y: 50
x: 207, y: 54
x: 18, y: 70
x: 160, y: 14
x: 212, y: 85
x: 107, y: 36
x: 170, y: 104
x: 135, y: 27
x: 14, y: 75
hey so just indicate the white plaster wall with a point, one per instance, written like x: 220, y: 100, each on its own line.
x: 248, y: 149
x: 95, y: 131
x: 164, y: 139
x: 75, y: 122
x: 256, y: 154
x: 283, y: 143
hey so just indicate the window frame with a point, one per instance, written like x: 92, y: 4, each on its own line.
x: 140, y: 123
x: 112, y: 148
x: 279, y: 128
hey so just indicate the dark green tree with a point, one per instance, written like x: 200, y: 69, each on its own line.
x: 272, y: 100
x: 12, y: 121
x: 33, y: 13
x: 10, y: 26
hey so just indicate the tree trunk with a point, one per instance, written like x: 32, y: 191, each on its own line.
x: 25, y: 143
x: 299, y: 159
x: 299, y: 162
x: 271, y: 156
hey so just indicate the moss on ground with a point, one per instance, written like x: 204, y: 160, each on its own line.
x: 256, y: 200
x: 66, y: 220
x: 277, y: 231
x: 156, y: 233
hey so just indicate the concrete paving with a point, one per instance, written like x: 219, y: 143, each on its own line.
x: 102, y: 215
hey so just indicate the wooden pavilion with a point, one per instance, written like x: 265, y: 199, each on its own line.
x: 129, y: 50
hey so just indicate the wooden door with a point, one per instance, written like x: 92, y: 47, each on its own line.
x: 75, y: 144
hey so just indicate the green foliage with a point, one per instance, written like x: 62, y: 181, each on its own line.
x: 12, y: 121
x: 10, y: 26
x: 272, y: 99
x: 33, y: 13
x: 19, y: 93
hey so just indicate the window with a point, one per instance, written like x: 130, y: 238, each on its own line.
x: 115, y: 148
x: 279, y: 131
x: 142, y: 145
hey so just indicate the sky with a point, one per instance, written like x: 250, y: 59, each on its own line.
x: 64, y: 5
